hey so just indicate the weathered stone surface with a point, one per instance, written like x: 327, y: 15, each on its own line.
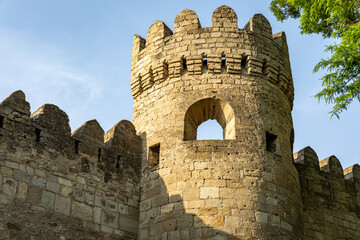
x: 62, y: 204
x: 47, y: 200
x: 81, y: 210
x: 153, y: 179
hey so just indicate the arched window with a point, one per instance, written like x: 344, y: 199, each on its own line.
x: 209, y: 108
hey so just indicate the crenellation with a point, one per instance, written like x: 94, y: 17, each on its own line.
x: 353, y: 173
x: 54, y: 126
x: 224, y: 17
x: 157, y: 32
x: 214, y: 43
x: 89, y: 138
x: 186, y: 21
x: 258, y: 24
x: 332, y: 165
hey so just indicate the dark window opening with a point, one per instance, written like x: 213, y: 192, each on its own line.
x: 118, y: 161
x: 1, y: 121
x: 333, y: 193
x: 184, y: 66
x: 263, y: 67
x: 166, y: 70
x: 154, y: 155
x: 204, y: 65
x: 223, y: 63
x: 77, y: 144
x: 151, y: 77
x: 140, y: 84
x: 99, y: 155
x: 37, y: 135
x: 243, y: 62
x: 270, y: 142
x: 107, y: 177
x: 278, y: 75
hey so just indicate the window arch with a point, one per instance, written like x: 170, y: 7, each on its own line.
x: 209, y: 108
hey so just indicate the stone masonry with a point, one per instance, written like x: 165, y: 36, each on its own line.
x: 152, y: 179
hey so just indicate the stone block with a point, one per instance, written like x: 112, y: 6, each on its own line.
x: 6, y: 172
x: 40, y: 173
x: 22, y: 190
x: 53, y: 186
x: 232, y: 221
x: 12, y: 165
x: 167, y: 208
x: 81, y: 210
x: 191, y: 194
x: 160, y: 200
x: 209, y: 192
x: 38, y: 181
x: 33, y: 195
x: 97, y: 215
x: 156, y: 229
x: 110, y: 218
x: 262, y: 217
x: 65, y: 182
x: 78, y: 195
x: 100, y: 202
x: 62, y: 204
x: 112, y: 205
x: 286, y: 226
x: 22, y: 176
x: 9, y: 186
x: 184, y: 221
x: 107, y: 229
x: 65, y: 191
x: 123, y: 209
x: 5, y: 199
x: 47, y: 200
x: 218, y: 220
x: 130, y: 224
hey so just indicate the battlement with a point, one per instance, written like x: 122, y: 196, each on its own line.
x: 164, y: 57
x: 327, y: 182
x: 85, y: 176
x: 48, y: 129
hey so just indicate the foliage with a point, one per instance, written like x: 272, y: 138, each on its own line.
x: 338, y: 19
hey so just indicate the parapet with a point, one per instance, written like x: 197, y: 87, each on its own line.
x: 165, y: 56
x: 325, y: 181
x: 48, y: 130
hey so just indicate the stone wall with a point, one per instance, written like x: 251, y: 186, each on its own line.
x: 58, y: 185
x: 159, y: 181
x: 330, y: 195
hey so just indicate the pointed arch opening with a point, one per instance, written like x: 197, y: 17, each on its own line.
x: 209, y: 108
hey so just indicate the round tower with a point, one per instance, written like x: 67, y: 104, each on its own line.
x: 244, y: 186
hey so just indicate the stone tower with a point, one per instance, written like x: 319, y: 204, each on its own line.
x: 244, y: 186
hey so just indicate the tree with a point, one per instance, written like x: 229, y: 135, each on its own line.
x: 338, y: 19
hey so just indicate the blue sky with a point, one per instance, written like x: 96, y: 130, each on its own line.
x: 77, y: 55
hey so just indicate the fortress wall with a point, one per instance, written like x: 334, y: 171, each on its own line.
x: 58, y: 185
x: 331, y: 197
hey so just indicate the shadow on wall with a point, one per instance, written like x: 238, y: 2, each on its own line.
x: 164, y: 216
x: 167, y: 217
